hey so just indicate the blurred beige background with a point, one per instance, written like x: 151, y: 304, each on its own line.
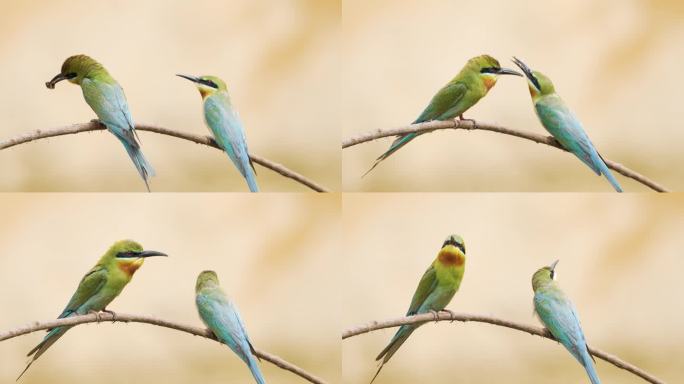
x: 612, y: 62
x: 620, y: 263
x: 272, y: 254
x: 280, y: 60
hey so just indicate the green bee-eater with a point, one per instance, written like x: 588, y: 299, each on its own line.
x: 560, y: 317
x: 106, y: 97
x: 225, y: 125
x: 220, y: 315
x: 98, y: 288
x: 562, y: 124
x: 476, y: 78
x: 436, y: 288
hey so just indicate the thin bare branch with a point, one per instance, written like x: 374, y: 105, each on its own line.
x: 476, y: 125
x: 199, y: 139
x: 464, y: 317
x: 126, y: 318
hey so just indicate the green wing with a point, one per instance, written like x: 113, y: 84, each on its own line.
x: 427, y: 284
x: 445, y: 104
x: 91, y: 283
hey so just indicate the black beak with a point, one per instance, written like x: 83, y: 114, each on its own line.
x: 506, y: 71
x: 193, y: 79
x: 523, y: 67
x: 552, y: 267
x: 51, y: 84
x: 151, y: 254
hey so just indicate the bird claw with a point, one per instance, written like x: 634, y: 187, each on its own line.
x: 451, y: 313
x: 111, y: 313
x: 97, y: 315
x: 435, y: 315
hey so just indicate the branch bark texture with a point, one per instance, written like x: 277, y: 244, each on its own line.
x: 126, y: 318
x: 464, y: 317
x: 199, y: 139
x: 470, y: 125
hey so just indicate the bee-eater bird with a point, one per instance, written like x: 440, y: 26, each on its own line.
x: 102, y: 284
x: 436, y: 288
x: 225, y: 124
x: 560, y: 317
x: 476, y: 78
x: 220, y: 315
x: 106, y: 98
x: 562, y: 124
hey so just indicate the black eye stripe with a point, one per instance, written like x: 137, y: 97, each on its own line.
x: 553, y: 273
x: 455, y: 244
x: 71, y: 75
x: 209, y: 83
x: 127, y: 254
x: 535, y: 82
x: 490, y: 70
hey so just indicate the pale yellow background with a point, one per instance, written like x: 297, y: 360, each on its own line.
x: 620, y: 263
x: 614, y: 62
x: 279, y: 58
x: 273, y: 254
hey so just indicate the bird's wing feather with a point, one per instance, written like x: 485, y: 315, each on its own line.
x: 228, y: 131
x: 109, y: 103
x: 567, y: 129
x: 427, y: 284
x: 560, y: 318
x: 220, y: 316
x: 90, y: 285
x: 443, y: 101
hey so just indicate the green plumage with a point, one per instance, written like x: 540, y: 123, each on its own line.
x: 463, y: 91
x: 436, y: 288
x: 102, y: 284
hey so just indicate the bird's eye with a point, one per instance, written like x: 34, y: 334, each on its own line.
x: 553, y: 274
x: 489, y: 70
x: 71, y: 75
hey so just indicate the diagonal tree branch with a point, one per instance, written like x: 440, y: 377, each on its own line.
x: 476, y: 125
x: 125, y: 318
x: 206, y: 140
x: 464, y: 317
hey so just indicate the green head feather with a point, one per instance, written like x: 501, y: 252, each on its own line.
x: 207, y: 85
x: 206, y: 279
x: 539, y: 83
x: 456, y: 241
x: 544, y: 276
x: 127, y: 255
x: 76, y: 68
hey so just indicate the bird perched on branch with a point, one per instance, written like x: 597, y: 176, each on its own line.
x: 562, y: 124
x: 476, y: 78
x: 225, y: 125
x: 106, y: 97
x: 560, y: 317
x: 220, y: 315
x: 437, y: 287
x: 102, y: 284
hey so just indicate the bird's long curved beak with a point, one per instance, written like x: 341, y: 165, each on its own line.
x: 553, y: 265
x: 523, y: 67
x: 191, y: 78
x: 506, y: 71
x: 151, y: 254
x: 51, y: 84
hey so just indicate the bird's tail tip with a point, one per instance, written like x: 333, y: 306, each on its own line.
x: 25, y: 369
x: 382, y: 364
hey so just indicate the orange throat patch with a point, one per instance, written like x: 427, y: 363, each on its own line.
x: 451, y: 258
x: 489, y: 81
x: 130, y: 267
